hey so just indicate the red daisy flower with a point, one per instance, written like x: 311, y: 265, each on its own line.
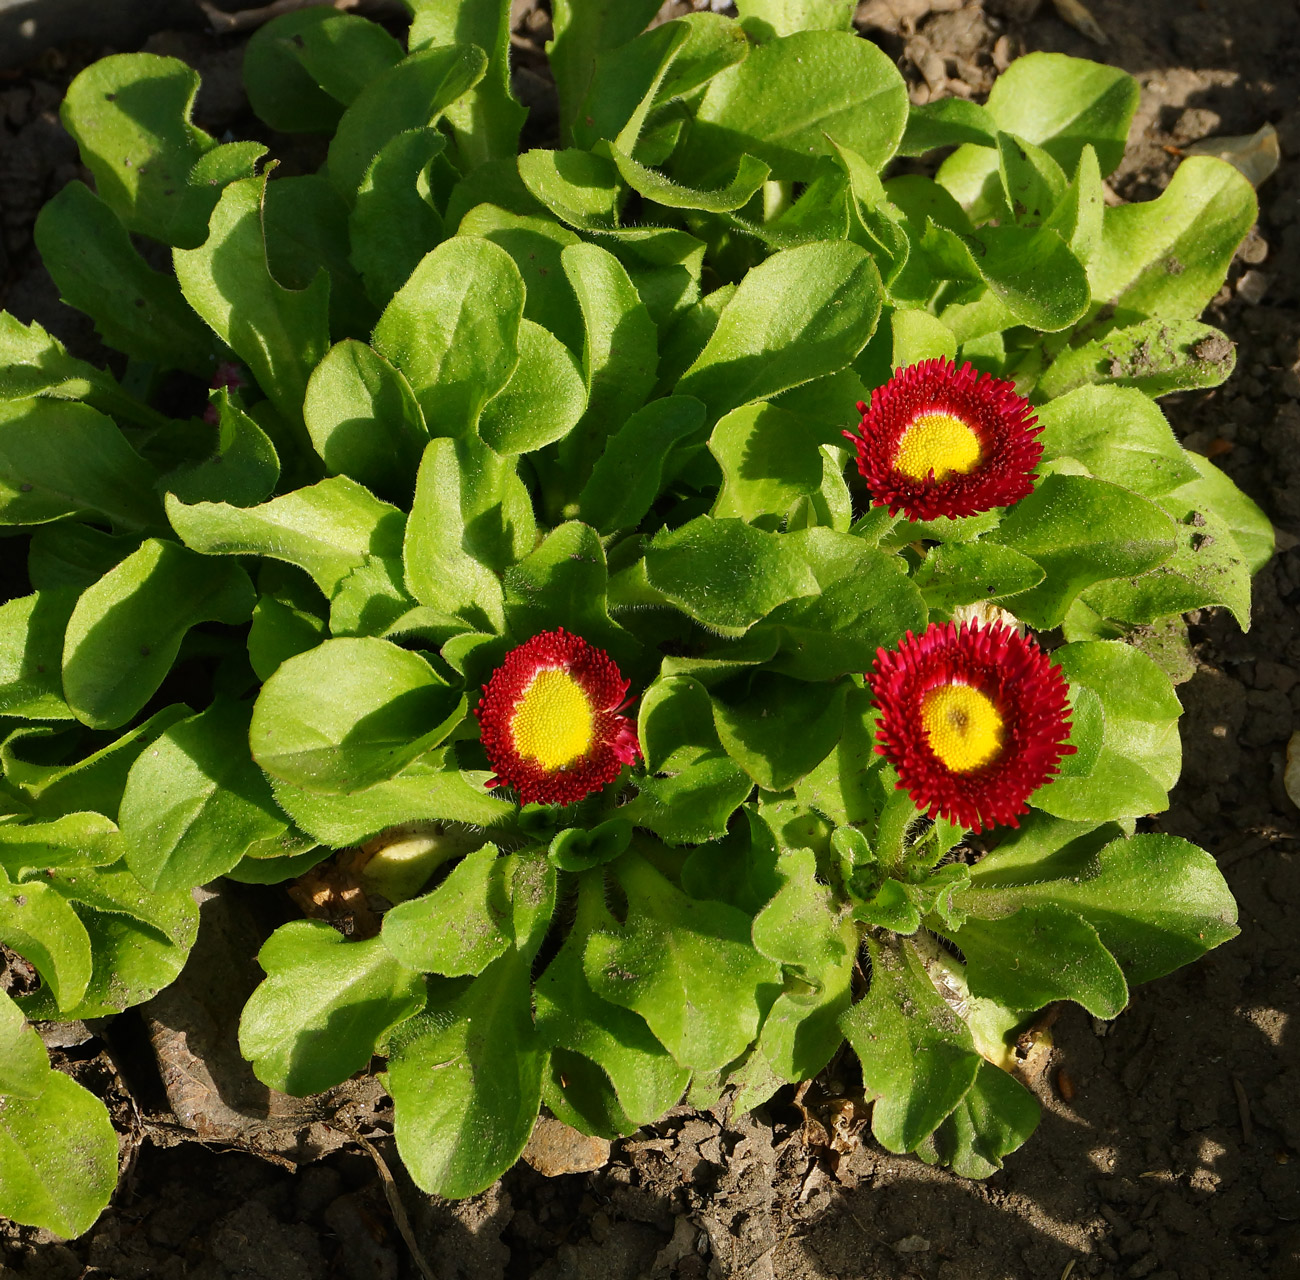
x: 942, y: 441
x: 549, y: 720
x: 975, y: 719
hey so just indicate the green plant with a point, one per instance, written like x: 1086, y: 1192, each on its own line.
x: 470, y: 400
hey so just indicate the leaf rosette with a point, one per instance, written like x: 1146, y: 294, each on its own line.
x: 526, y: 445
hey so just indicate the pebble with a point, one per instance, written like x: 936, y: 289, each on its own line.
x: 555, y: 1149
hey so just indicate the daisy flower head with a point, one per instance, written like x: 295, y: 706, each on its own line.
x: 937, y: 440
x: 549, y: 720
x: 975, y: 719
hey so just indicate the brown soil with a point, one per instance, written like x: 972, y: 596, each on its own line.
x: 1170, y: 1143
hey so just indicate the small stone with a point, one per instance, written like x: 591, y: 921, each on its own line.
x: 1253, y: 286
x: 556, y: 1149
x: 1254, y: 248
x: 912, y: 1244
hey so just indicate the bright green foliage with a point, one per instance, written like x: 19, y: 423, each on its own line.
x: 467, y: 396
x: 324, y: 1008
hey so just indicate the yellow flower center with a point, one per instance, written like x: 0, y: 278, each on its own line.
x: 940, y: 443
x: 553, y: 723
x: 963, y: 725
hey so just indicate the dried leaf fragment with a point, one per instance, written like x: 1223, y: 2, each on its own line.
x: 1080, y: 18
x: 1256, y: 155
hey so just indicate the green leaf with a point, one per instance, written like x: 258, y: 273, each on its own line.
x: 768, y: 462
x: 281, y: 89
x: 665, y: 265
x: 778, y: 729
x: 24, y: 1064
x: 394, y: 223
x: 280, y: 334
x: 195, y: 804
x: 954, y: 574
x: 31, y: 654
x: 1157, y: 901
x: 1156, y: 357
x: 428, y: 790
x: 629, y: 474
x: 113, y: 893
x: 59, y: 458
x: 34, y: 363
x: 996, y: 1116
x: 576, y: 849
x: 1081, y: 531
x: 466, y: 1083
x: 329, y: 529
x: 817, y: 947
x: 1029, y: 270
x: 459, y: 928
x: 624, y: 85
x: 652, y: 185
x: 348, y: 714
x: 130, y: 115
x: 1033, y: 184
x: 847, y: 786
x: 801, y: 314
x: 786, y: 101
x: 72, y: 554
x: 94, y: 782
x: 37, y: 922
x: 276, y: 870
x: 1079, y: 215
x: 280, y: 630
x: 306, y: 223
x: 535, y: 243
x: 571, y: 1016
x: 85, y: 840
x: 543, y: 400
x: 726, y: 574
x: 584, y: 29
x: 324, y: 1008
x: 890, y: 908
x: 1213, y: 492
x: 452, y: 330
x: 126, y: 630
x: 945, y: 122
x: 132, y: 962
x: 1140, y: 752
x: 688, y: 968
x: 563, y: 584
x: 863, y: 603
x: 917, y: 335
x: 485, y: 121
x: 1040, y: 953
x: 469, y: 509
x: 1059, y: 103
x: 1167, y: 257
x: 89, y: 255
x: 411, y: 95
x: 62, y: 1185
x: 578, y: 187
x: 763, y: 19
x: 698, y: 787
x: 1206, y: 568
x: 242, y: 469
x: 619, y: 354
x: 363, y: 418
x: 918, y: 1059
x: 713, y: 44
x: 1119, y: 435
x: 301, y: 66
